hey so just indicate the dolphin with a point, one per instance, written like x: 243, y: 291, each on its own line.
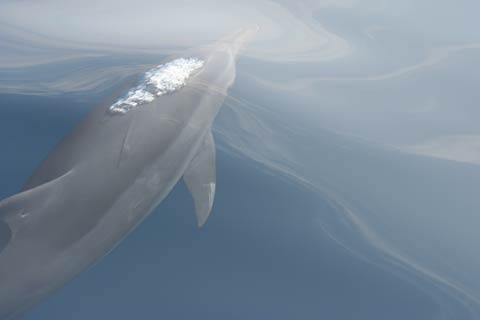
x: 112, y: 170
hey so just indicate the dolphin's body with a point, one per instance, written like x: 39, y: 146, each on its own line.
x: 106, y: 176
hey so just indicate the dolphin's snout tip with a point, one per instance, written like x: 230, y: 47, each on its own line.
x: 256, y: 28
x: 251, y: 29
x: 240, y: 39
x: 249, y: 32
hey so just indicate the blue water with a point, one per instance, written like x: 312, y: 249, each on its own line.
x: 262, y: 254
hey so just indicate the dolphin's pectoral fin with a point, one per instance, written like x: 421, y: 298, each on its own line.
x: 200, y: 179
x: 5, y: 235
x: 20, y: 207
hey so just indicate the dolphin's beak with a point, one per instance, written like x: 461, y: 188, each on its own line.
x: 237, y: 41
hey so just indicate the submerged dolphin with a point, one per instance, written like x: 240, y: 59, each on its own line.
x: 115, y: 167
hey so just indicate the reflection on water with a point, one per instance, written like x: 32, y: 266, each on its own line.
x: 370, y: 107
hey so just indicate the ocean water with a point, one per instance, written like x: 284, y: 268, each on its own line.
x: 348, y: 156
x: 262, y: 254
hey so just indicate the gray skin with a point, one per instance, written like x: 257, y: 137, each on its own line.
x: 107, y: 175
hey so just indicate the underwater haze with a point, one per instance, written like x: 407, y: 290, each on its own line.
x: 348, y: 156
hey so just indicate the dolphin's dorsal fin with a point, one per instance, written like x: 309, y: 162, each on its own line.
x: 200, y: 179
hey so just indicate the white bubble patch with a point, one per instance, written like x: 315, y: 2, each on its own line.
x: 165, y: 78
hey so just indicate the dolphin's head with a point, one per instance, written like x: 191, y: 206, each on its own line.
x: 219, y: 69
x: 238, y: 41
x: 233, y: 44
